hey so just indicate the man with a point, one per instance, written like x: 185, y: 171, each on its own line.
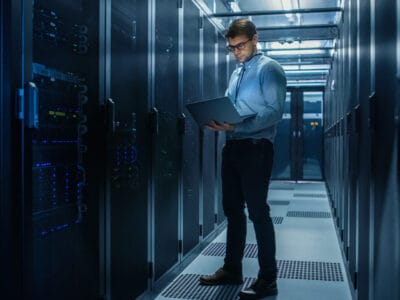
x: 258, y: 87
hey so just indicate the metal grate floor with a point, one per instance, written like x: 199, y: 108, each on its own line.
x: 277, y: 220
x: 308, y: 195
x: 283, y: 188
x: 308, y: 214
x: 218, y: 249
x: 187, y: 286
x: 309, y: 270
x: 278, y: 202
x: 310, y: 264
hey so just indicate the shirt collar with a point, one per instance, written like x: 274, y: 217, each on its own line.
x: 251, y: 61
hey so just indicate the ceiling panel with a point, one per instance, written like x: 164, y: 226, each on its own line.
x: 297, y: 30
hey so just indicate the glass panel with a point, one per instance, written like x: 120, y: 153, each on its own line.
x: 281, y: 167
x: 312, y: 132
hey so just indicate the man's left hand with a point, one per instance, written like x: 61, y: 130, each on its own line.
x: 218, y: 127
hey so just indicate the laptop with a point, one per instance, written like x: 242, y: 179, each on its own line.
x: 221, y: 110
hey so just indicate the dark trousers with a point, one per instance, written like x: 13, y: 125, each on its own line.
x: 246, y: 171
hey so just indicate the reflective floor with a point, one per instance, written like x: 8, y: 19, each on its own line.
x: 310, y: 264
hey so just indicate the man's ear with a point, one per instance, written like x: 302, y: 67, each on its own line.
x: 255, y: 39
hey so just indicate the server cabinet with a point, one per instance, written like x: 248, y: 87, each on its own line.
x: 10, y: 80
x: 299, y: 139
x: 60, y: 235
x: 166, y: 141
x: 128, y: 148
x: 208, y: 137
x: 282, y: 145
x: 386, y: 212
x: 364, y: 158
x: 353, y: 142
x: 191, y: 138
x: 221, y: 136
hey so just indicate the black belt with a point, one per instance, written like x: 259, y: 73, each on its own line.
x: 248, y: 141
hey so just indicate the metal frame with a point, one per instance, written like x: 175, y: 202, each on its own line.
x: 104, y: 199
x: 398, y: 39
x: 150, y: 104
x: 298, y: 49
x: 290, y: 27
x: 278, y: 12
x: 181, y: 37
x: 216, y: 134
x: 201, y: 139
x: 371, y: 279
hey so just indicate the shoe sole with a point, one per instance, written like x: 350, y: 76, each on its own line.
x: 249, y: 297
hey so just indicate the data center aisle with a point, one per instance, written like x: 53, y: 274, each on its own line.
x: 310, y: 264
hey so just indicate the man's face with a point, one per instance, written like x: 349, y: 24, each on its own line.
x: 242, y: 47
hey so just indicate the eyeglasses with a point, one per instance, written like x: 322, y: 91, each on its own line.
x: 239, y: 46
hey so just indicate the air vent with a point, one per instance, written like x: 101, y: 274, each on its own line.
x: 218, y: 249
x: 309, y: 270
x: 309, y: 195
x: 283, y: 188
x: 308, y: 214
x: 186, y: 286
x: 277, y: 220
x: 278, y: 202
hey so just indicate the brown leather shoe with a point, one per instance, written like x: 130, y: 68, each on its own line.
x: 220, y: 277
x: 259, y: 289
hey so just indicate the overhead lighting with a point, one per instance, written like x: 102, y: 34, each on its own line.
x: 320, y: 67
x: 291, y: 67
x: 306, y: 82
x: 297, y: 52
x: 296, y: 44
x: 234, y: 6
x: 313, y: 67
x: 307, y: 72
x: 289, y: 5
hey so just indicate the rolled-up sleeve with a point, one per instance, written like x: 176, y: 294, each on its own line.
x: 273, y: 88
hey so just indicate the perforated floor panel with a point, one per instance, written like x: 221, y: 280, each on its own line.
x: 309, y: 262
x: 218, y: 249
x: 308, y: 195
x: 283, y: 188
x: 278, y: 202
x: 186, y: 286
x: 308, y: 214
x: 309, y: 270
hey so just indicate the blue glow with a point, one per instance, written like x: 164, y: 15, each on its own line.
x: 42, y: 164
x: 53, y: 229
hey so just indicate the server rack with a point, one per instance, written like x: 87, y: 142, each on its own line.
x: 191, y: 137
x: 10, y: 80
x: 60, y: 237
x: 128, y: 143
x: 100, y: 139
x: 362, y: 131
x: 208, y: 137
x: 223, y: 76
x: 166, y: 137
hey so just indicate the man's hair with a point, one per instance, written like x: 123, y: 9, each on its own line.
x: 241, y: 27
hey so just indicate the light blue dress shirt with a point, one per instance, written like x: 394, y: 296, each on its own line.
x: 257, y: 86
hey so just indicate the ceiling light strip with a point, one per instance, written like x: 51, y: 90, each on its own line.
x: 278, y: 12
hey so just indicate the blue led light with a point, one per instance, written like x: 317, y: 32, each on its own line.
x: 42, y: 164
